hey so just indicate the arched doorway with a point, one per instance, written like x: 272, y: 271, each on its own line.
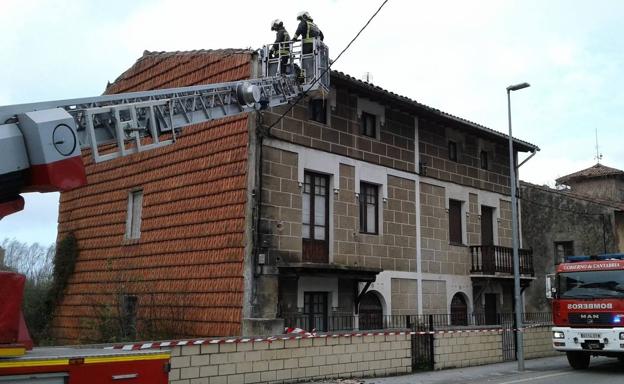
x: 459, y: 310
x: 371, y: 312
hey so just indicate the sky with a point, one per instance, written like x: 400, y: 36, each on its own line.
x: 457, y: 56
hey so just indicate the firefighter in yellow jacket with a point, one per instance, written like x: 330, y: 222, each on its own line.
x: 281, y: 47
x: 308, y: 31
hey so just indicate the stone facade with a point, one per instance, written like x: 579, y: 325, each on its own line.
x: 394, y: 248
x: 438, y: 255
x: 434, y: 297
x: 404, y: 297
x: 434, y: 140
x: 281, y: 206
x: 393, y: 147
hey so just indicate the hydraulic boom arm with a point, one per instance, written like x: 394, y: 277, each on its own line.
x: 40, y: 143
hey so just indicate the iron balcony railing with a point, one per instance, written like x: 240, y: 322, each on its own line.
x: 493, y: 259
x: 322, y: 323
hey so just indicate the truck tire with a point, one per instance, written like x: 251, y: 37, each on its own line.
x: 578, y: 360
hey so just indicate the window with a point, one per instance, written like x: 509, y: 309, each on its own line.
x: 315, y: 228
x: 369, y: 208
x: 317, y: 110
x: 455, y: 223
x: 452, y: 150
x: 563, y: 249
x: 590, y: 285
x: 369, y: 125
x: 129, y: 305
x: 484, y: 160
x: 133, y: 219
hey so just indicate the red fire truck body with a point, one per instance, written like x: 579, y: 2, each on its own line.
x: 588, y: 308
x: 83, y: 365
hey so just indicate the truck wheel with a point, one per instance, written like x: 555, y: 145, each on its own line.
x: 578, y: 360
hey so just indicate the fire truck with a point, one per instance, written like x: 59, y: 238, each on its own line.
x: 41, y: 147
x: 587, y: 295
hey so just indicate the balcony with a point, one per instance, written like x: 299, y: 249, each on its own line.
x: 494, y: 260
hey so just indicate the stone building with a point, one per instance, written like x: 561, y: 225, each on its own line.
x: 352, y: 207
x: 585, y: 216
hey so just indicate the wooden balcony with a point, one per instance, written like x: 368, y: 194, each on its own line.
x: 495, y: 260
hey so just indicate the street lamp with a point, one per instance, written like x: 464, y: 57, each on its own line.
x: 514, y: 233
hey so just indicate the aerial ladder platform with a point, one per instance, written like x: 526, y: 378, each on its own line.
x: 41, y: 143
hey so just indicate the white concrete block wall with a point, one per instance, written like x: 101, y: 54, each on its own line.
x: 454, y: 350
x: 283, y: 361
x: 538, y: 343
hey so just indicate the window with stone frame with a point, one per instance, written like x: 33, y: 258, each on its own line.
x: 563, y: 249
x: 455, y: 222
x: 317, y: 110
x: 369, y: 124
x: 369, y: 208
x: 452, y: 150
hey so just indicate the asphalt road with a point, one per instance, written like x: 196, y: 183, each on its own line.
x: 538, y: 371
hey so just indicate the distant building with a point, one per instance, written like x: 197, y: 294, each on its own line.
x: 583, y: 217
x: 598, y: 181
x: 352, y: 208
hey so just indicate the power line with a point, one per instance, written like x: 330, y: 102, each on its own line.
x: 329, y: 66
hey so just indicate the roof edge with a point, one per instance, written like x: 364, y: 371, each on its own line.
x: 521, y: 145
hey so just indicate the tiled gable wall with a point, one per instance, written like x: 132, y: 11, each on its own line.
x: 185, y: 269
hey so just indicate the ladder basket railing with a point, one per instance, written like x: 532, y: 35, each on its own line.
x: 288, y: 59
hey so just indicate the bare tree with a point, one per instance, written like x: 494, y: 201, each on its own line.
x: 32, y: 260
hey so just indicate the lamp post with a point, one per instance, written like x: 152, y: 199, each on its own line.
x: 514, y: 234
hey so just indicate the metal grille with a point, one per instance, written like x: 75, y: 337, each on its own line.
x: 508, y: 323
x: 422, y: 345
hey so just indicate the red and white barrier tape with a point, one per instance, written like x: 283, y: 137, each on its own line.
x: 306, y: 335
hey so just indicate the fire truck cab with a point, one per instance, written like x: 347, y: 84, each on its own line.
x: 588, y: 308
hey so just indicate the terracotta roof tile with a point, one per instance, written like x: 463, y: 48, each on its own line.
x: 594, y: 171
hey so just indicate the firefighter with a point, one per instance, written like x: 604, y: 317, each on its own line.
x: 281, y: 48
x: 308, y: 31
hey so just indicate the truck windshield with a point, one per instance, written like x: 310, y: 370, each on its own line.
x: 595, y: 284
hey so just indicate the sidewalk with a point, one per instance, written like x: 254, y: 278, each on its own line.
x: 534, y: 368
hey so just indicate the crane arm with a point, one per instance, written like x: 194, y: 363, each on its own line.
x: 41, y: 143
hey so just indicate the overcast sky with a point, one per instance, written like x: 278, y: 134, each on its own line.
x: 457, y: 56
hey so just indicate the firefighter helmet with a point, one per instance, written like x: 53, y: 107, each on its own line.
x: 304, y: 15
x: 276, y: 24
